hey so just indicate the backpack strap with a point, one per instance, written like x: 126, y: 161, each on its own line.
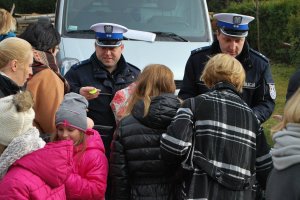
x: 223, y: 178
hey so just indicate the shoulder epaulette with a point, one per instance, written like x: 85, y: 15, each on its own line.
x: 81, y: 63
x: 199, y: 49
x: 259, y: 55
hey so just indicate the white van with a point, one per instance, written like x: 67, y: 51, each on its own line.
x: 180, y: 26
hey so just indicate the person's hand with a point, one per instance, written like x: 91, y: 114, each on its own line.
x: 89, y: 92
x: 90, y: 123
x: 278, y: 117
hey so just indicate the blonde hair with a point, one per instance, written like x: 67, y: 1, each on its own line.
x: 7, y: 22
x: 291, y: 113
x: 14, y: 49
x: 223, y: 67
x: 154, y: 80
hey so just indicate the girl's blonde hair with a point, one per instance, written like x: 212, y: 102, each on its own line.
x: 7, y: 22
x: 14, y: 49
x: 291, y: 113
x: 154, y: 80
x: 223, y: 67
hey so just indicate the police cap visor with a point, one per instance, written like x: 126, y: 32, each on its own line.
x: 108, y: 43
x: 234, y: 33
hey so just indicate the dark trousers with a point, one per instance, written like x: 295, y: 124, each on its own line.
x: 106, y: 133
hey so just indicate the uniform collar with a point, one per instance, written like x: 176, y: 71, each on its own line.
x: 99, y: 67
x: 243, y: 57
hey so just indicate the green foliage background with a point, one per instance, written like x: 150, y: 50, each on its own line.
x: 281, y: 74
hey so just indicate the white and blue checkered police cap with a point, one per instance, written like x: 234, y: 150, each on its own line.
x: 108, y: 34
x: 232, y: 24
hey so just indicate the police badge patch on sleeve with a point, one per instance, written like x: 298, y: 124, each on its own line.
x: 272, y: 91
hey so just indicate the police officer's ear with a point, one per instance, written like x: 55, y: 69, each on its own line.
x: 218, y: 32
x: 122, y: 47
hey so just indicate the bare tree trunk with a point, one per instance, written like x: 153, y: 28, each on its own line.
x: 257, y: 25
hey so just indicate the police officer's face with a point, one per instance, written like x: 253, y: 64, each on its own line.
x: 109, y: 56
x: 230, y: 45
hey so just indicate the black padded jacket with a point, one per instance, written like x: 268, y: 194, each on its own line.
x: 136, y: 168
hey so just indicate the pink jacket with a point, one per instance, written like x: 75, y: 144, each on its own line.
x: 88, y: 180
x: 40, y: 174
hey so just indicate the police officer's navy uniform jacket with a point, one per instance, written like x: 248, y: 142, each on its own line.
x: 92, y: 72
x: 258, y: 91
x: 136, y: 168
x: 229, y: 147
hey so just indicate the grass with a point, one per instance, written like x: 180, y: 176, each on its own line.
x: 281, y: 74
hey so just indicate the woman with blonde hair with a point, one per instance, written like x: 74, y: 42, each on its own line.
x: 136, y: 168
x: 7, y: 24
x: 282, y: 183
x: 16, y: 58
x: 223, y: 68
x: 217, y: 137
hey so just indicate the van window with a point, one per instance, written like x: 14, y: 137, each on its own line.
x: 183, y: 18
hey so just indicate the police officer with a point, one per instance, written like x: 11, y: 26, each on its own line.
x: 99, y: 77
x: 259, y: 88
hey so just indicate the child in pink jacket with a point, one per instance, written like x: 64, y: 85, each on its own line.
x: 89, y: 176
x: 28, y: 170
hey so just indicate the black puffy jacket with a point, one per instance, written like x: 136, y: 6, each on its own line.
x: 136, y: 168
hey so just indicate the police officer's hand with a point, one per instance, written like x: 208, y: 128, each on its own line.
x: 89, y: 92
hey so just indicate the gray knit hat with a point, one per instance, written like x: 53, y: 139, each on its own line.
x: 72, y: 112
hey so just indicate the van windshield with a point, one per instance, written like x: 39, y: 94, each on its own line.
x: 169, y: 19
